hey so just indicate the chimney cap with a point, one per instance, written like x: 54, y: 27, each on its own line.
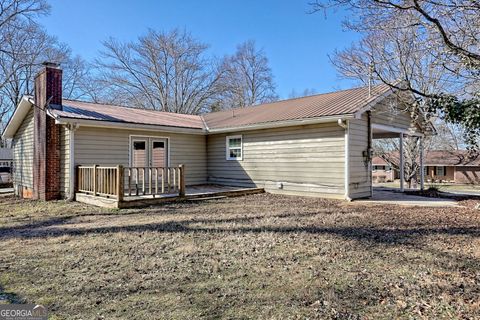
x: 49, y: 64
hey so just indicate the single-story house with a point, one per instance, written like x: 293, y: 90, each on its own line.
x: 319, y: 145
x: 456, y: 166
x: 382, y: 171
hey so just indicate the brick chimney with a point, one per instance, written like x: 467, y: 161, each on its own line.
x: 46, y: 157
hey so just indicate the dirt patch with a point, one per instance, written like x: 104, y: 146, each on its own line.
x: 261, y: 256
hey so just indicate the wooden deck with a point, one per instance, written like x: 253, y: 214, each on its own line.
x: 193, y: 193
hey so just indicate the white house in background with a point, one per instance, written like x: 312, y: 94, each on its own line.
x: 6, y: 163
x: 6, y: 157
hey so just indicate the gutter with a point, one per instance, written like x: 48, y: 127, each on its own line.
x: 286, y: 123
x: 72, y: 128
x: 346, y: 125
x: 127, y: 125
x: 9, y: 132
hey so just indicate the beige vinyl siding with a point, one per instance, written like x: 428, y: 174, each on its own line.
x: 105, y: 146
x: 64, y: 161
x: 307, y: 160
x: 389, y: 114
x: 360, y: 176
x: 385, y: 114
x: 23, y: 153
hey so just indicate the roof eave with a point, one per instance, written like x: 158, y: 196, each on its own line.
x: 17, y: 117
x: 127, y: 125
x: 286, y: 123
x: 371, y: 104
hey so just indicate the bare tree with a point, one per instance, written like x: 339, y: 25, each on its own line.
x: 165, y: 71
x: 14, y: 16
x: 27, y: 48
x: 387, y: 149
x: 453, y: 24
x: 428, y: 48
x: 247, y: 78
x: 12, y: 11
x: 449, y: 137
x: 304, y: 93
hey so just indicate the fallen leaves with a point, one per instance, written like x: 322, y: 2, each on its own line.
x: 261, y: 256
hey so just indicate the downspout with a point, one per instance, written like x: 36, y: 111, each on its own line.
x: 72, y: 127
x: 370, y: 150
x: 345, y: 124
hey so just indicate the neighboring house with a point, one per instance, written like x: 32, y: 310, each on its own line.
x: 6, y: 164
x: 439, y: 166
x: 452, y: 166
x: 318, y: 145
x: 382, y: 171
x: 6, y: 157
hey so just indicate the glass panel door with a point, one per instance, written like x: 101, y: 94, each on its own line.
x: 158, y: 152
x: 147, y: 153
x: 139, y: 153
x: 139, y: 160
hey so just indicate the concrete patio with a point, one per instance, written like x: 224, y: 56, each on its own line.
x: 392, y: 196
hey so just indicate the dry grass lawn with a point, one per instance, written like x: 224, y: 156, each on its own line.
x: 261, y: 256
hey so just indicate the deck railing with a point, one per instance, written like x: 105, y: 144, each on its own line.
x: 119, y: 181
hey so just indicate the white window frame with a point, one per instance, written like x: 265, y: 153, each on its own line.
x: 443, y: 170
x: 227, y: 147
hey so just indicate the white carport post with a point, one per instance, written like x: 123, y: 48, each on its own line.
x: 422, y: 170
x: 402, y: 165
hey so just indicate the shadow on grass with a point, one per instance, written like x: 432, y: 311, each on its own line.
x: 9, y: 297
x: 349, y: 301
x: 52, y: 228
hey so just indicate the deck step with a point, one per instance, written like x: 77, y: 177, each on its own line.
x: 207, y: 198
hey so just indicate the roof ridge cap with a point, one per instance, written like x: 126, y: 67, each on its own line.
x: 297, y: 98
x: 130, y: 108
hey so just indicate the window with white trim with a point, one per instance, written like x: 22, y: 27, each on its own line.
x: 234, y: 148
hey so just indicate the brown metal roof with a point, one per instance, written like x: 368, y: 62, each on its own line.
x: 104, y: 112
x: 451, y: 158
x: 316, y: 106
x: 439, y: 158
x: 321, y: 105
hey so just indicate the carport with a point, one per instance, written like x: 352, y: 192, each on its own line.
x: 380, y: 131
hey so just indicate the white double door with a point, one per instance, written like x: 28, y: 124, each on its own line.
x: 146, y: 154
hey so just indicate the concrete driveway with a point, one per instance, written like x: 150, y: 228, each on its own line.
x: 6, y: 190
x: 391, y: 196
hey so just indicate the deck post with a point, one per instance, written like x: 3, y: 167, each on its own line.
x: 422, y: 165
x: 402, y: 164
x: 77, y: 179
x: 120, y: 183
x: 95, y: 180
x: 181, y: 192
